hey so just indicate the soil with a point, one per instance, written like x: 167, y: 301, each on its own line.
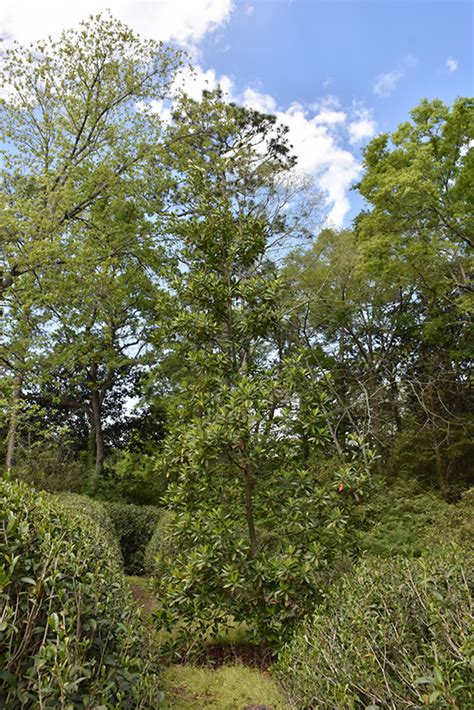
x: 143, y: 595
x: 258, y: 657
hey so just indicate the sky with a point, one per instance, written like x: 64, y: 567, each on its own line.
x: 336, y: 72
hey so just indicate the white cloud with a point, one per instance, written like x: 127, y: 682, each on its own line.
x: 452, y: 64
x: 258, y: 101
x: 185, y: 21
x: 320, y: 154
x: 362, y: 127
x: 329, y: 117
x: 386, y: 83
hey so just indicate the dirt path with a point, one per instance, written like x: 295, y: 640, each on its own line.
x: 140, y: 587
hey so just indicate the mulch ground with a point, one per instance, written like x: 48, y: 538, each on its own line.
x: 258, y: 657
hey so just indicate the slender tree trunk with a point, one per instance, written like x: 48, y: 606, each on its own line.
x: 249, y: 485
x: 96, y: 421
x: 440, y: 468
x: 98, y: 434
x: 13, y: 427
x: 91, y: 442
x: 248, y: 488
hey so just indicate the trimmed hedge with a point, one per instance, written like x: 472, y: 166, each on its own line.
x: 97, y: 513
x: 160, y: 545
x: 397, y: 634
x: 70, y: 634
x: 134, y: 526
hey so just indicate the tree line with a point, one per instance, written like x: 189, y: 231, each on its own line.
x: 148, y: 258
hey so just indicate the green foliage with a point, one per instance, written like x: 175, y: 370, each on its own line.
x: 96, y: 512
x: 398, y: 519
x: 134, y: 526
x: 70, y: 635
x: 52, y: 469
x: 266, y: 570
x: 160, y: 549
x: 402, y: 519
x: 79, y: 252
x: 396, y: 634
x: 132, y: 478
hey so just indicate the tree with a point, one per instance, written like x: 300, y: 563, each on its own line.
x: 77, y: 143
x: 417, y: 182
x: 353, y: 330
x: 253, y: 526
x: 418, y: 234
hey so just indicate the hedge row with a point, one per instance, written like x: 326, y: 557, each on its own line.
x: 397, y: 634
x: 134, y: 526
x: 70, y: 634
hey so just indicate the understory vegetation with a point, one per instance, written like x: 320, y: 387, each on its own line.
x: 237, y: 442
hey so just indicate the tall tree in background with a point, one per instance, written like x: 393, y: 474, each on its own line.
x: 419, y: 234
x: 75, y: 143
x: 352, y: 329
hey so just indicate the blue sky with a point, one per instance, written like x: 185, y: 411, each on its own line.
x: 382, y: 56
x: 335, y: 71
x: 300, y: 50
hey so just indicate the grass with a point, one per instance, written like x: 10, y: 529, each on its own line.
x: 227, y: 688
x: 230, y: 687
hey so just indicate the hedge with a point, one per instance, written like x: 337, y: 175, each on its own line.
x: 134, y: 526
x: 160, y: 544
x: 397, y: 634
x: 70, y: 634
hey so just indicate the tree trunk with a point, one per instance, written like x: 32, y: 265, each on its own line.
x: 13, y: 427
x: 96, y: 421
x: 250, y: 516
x: 248, y: 488
x: 98, y: 434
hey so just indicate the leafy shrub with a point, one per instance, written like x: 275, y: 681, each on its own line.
x: 160, y: 546
x: 259, y: 529
x: 395, y: 635
x: 212, y: 579
x: 401, y: 520
x: 134, y: 525
x: 96, y: 512
x: 50, y: 466
x: 398, y: 518
x: 70, y: 634
x: 132, y: 477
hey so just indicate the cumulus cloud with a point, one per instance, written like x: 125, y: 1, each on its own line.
x: 185, y: 21
x: 315, y: 136
x: 259, y: 101
x: 451, y: 64
x: 362, y: 127
x: 386, y: 83
x: 330, y: 117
